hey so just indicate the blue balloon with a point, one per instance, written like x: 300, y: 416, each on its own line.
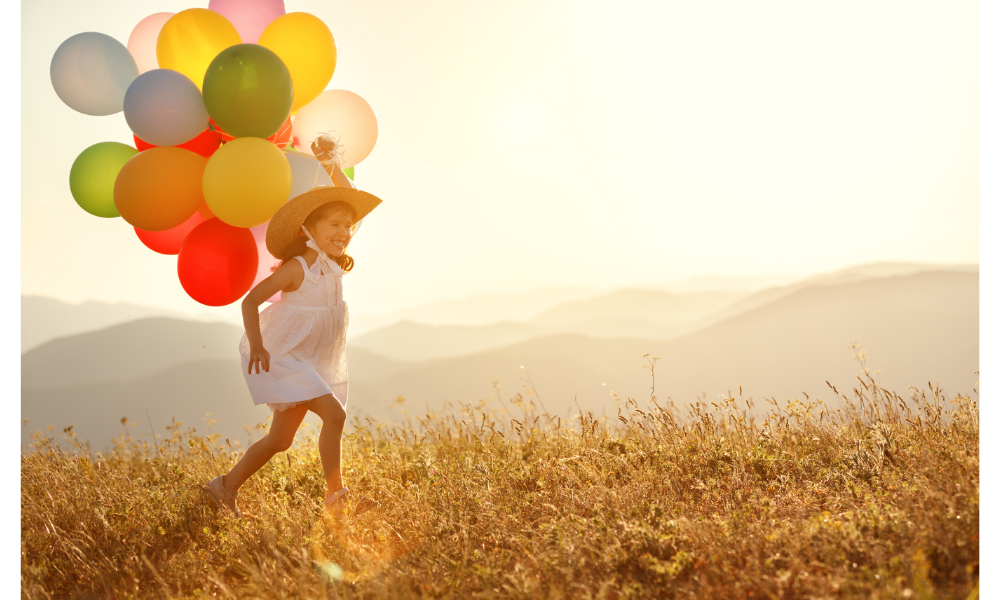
x: 165, y: 108
x: 91, y: 71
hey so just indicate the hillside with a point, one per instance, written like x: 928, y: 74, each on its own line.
x: 853, y: 274
x: 484, y: 309
x: 913, y: 327
x: 720, y: 283
x: 174, y: 368
x: 414, y: 341
x: 649, y: 314
x: 44, y: 319
x: 126, y: 351
x: 653, y: 305
x: 185, y: 391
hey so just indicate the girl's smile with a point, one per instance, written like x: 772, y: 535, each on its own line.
x: 333, y: 232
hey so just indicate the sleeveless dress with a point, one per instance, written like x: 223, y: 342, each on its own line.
x: 305, y: 333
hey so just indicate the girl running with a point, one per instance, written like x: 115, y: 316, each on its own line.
x: 294, y: 351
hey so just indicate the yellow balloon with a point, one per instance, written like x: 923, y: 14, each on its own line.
x: 190, y: 40
x: 245, y: 181
x: 304, y: 43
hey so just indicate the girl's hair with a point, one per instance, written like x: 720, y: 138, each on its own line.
x: 345, y: 261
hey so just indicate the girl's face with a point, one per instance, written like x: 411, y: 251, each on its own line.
x: 333, y: 232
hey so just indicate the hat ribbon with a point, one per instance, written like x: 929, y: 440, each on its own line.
x: 325, y: 265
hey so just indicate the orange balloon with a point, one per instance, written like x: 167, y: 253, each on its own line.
x: 160, y: 188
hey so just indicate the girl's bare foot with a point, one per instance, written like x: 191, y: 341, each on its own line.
x: 336, y: 503
x: 222, y: 496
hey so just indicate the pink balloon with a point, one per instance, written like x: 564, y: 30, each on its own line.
x: 265, y: 260
x: 142, y: 42
x: 249, y: 16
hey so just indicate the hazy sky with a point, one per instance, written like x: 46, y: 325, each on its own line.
x: 527, y: 144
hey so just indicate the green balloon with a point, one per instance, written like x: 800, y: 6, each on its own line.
x: 93, y: 174
x: 349, y: 171
x: 248, y: 91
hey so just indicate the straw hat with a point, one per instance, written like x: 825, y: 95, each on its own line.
x: 287, y: 222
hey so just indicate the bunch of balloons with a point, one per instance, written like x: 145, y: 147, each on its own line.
x: 224, y: 103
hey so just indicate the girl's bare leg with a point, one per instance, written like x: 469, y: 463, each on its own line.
x: 278, y: 439
x: 334, y: 416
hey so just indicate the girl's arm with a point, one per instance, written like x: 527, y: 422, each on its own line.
x: 326, y: 151
x: 340, y: 179
x: 288, y: 276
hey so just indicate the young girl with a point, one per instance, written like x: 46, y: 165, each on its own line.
x: 294, y: 355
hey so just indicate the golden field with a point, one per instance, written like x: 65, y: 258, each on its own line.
x: 862, y: 494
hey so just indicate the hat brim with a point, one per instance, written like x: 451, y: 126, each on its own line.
x: 287, y: 221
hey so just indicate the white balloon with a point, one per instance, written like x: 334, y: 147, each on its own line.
x: 91, y: 71
x: 343, y: 114
x: 165, y: 108
x: 307, y: 173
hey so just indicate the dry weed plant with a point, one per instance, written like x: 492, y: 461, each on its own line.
x: 876, y: 497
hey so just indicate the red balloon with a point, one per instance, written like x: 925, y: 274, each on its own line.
x: 217, y: 263
x: 223, y: 136
x: 282, y: 138
x: 205, y: 143
x: 169, y: 241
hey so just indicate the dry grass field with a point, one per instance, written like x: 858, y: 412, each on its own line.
x: 863, y: 494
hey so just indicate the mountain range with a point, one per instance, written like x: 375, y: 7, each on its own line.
x: 917, y: 324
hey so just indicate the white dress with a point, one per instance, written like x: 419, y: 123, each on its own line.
x: 305, y: 332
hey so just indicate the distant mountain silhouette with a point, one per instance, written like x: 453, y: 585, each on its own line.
x: 413, y: 341
x: 132, y: 351
x: 184, y: 390
x: 652, y: 314
x: 482, y: 309
x: 44, y: 319
x: 126, y: 351
x: 626, y: 313
x: 915, y: 328
x: 723, y: 283
x: 848, y: 275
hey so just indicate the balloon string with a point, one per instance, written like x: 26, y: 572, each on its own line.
x: 316, y: 177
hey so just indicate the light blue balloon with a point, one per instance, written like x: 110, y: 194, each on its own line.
x: 91, y: 71
x: 165, y: 108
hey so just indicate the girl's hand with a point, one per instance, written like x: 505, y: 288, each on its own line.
x: 258, y: 358
x: 325, y: 148
x: 330, y: 154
